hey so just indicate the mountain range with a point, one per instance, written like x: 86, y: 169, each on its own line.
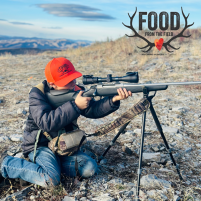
x: 8, y: 42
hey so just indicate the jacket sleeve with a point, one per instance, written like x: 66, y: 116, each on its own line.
x: 47, y: 118
x: 101, y: 108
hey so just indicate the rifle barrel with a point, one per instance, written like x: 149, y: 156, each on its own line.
x: 59, y: 97
x: 177, y: 83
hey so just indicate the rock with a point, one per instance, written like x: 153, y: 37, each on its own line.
x: 138, y: 131
x: 16, y: 137
x: 180, y: 110
x: 4, y: 138
x: 178, y: 137
x: 116, y: 181
x: 127, y: 150
x: 157, y: 194
x: 125, y: 141
x: 128, y: 193
x: 191, y: 124
x: 103, y: 161
x: 153, y: 129
x: 104, y: 197
x: 178, y: 192
x: 152, y: 182
x: 141, y: 194
x: 155, y: 165
x: 81, y: 193
x: 188, y: 182
x: 165, y: 170
x: 162, y: 148
x: 149, y: 157
x: 130, y: 184
x: 167, y: 129
x: 24, y: 102
x: 176, y: 198
x: 196, y: 164
x: 188, y: 150
x: 83, y: 199
x: 120, y: 199
x: 66, y: 198
x: 120, y: 166
x: 196, y: 115
x: 133, y: 63
x: 18, y: 195
x: 21, y: 111
x: 32, y: 197
x: 198, y: 146
x: 155, y: 148
x: 16, y: 101
x: 128, y: 137
x: 24, y: 126
x: 164, y: 99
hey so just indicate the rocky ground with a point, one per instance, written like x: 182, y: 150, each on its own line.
x: 178, y: 109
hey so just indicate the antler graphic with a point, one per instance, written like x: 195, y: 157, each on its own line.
x: 150, y: 45
x: 178, y: 35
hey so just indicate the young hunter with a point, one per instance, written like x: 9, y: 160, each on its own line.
x: 47, y: 167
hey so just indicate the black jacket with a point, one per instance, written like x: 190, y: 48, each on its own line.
x: 43, y: 116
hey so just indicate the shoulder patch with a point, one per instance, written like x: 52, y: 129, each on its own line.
x: 40, y: 87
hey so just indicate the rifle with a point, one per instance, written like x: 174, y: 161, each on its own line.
x: 59, y: 97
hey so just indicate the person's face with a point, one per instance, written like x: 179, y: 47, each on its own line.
x: 70, y: 85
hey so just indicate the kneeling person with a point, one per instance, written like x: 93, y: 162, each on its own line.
x: 60, y: 74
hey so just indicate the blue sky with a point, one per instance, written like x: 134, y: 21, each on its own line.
x: 84, y: 20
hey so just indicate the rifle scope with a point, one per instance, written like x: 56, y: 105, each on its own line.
x: 130, y: 77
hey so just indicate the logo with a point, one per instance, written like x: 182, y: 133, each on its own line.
x: 159, y: 43
x: 64, y: 69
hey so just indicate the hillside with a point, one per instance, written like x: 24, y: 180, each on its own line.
x: 7, y: 42
x: 178, y: 109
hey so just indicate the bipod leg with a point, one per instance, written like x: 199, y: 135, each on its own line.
x: 113, y: 141
x: 141, y: 153
x: 139, y: 172
x: 164, y: 139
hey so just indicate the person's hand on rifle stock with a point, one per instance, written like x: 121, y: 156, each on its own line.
x: 123, y: 94
x: 82, y: 102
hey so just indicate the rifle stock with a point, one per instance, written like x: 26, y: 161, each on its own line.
x: 59, y: 97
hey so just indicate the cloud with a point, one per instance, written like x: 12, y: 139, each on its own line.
x: 2, y: 20
x: 74, y: 10
x: 21, y: 23
x: 168, y: 2
x: 52, y: 27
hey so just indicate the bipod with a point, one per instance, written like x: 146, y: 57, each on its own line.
x: 145, y: 94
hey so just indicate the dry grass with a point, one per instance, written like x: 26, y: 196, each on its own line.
x: 116, y: 56
x: 124, y: 50
x: 6, y: 55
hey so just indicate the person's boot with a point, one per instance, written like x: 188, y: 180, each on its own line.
x: 3, y: 155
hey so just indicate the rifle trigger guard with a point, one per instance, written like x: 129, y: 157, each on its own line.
x: 95, y: 92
